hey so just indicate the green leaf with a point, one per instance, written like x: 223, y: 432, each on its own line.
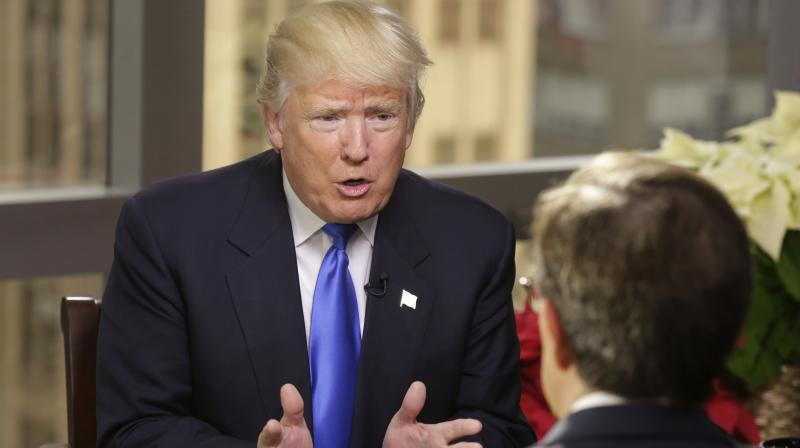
x: 788, y: 266
x: 783, y: 337
x: 770, y: 334
x: 754, y: 365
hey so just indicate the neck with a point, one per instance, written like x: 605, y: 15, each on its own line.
x: 572, y: 387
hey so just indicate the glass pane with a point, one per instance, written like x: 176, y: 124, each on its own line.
x: 33, y: 407
x: 613, y: 74
x: 53, y: 70
x: 513, y: 80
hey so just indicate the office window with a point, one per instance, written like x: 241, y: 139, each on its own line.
x: 53, y: 59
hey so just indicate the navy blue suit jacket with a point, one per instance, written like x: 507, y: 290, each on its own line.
x: 202, y: 320
x: 637, y: 426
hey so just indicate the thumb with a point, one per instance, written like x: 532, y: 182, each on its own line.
x: 412, y: 403
x: 292, y: 404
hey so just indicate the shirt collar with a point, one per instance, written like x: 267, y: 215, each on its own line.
x: 596, y: 399
x: 305, y: 223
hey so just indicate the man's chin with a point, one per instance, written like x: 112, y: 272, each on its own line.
x: 346, y: 213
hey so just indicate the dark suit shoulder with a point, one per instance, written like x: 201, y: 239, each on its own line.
x: 201, y: 210
x: 637, y: 425
x: 204, y: 190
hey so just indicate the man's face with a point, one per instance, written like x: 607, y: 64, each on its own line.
x: 342, y: 146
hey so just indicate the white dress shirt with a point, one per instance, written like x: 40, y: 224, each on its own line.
x: 311, y: 244
x: 596, y: 399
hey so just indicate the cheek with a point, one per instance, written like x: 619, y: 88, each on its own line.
x: 314, y: 154
x: 392, y: 153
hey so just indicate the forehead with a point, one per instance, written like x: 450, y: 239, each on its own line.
x: 335, y: 92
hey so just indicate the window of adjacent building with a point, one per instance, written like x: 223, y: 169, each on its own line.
x: 399, y: 6
x: 445, y: 149
x: 294, y: 5
x: 691, y: 20
x: 490, y: 20
x: 747, y: 19
x: 449, y: 21
x: 485, y: 147
x: 53, y: 59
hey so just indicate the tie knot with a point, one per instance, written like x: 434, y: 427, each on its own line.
x: 340, y: 233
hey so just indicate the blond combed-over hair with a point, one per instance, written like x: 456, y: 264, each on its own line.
x: 356, y: 42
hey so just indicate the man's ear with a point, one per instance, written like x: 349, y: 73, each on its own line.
x: 562, y: 350
x: 272, y: 123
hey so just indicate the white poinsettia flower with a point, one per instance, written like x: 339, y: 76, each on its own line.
x: 759, y: 173
x: 739, y: 175
x: 767, y: 223
x: 788, y: 151
x: 681, y: 149
x: 781, y: 125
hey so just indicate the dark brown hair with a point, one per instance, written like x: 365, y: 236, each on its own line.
x: 649, y: 269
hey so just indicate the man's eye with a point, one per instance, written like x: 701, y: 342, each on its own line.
x: 327, y: 118
x: 384, y: 117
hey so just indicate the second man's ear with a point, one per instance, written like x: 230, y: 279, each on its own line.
x: 563, y: 351
x: 272, y: 121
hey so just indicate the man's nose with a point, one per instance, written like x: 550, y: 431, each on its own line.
x: 354, y: 140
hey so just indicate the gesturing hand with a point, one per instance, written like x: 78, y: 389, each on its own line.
x: 291, y: 431
x: 404, y: 431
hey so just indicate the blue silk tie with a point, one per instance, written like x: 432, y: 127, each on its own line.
x: 335, y: 344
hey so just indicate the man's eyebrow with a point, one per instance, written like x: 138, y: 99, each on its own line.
x: 389, y: 105
x: 326, y: 108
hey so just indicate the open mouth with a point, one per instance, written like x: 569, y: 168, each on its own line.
x: 354, y: 188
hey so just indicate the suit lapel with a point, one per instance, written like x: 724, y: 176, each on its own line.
x: 265, y: 290
x: 392, y: 334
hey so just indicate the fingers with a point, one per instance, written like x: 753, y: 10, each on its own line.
x: 285, y: 431
x: 455, y: 429
x: 292, y: 404
x: 412, y: 403
x: 271, y: 435
x: 466, y: 445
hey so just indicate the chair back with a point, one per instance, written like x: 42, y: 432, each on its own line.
x: 80, y: 317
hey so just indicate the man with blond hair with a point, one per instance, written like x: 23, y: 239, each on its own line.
x: 316, y: 293
x: 643, y: 277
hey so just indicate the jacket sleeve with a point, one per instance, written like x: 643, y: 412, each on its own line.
x: 144, y: 384
x: 490, y: 383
